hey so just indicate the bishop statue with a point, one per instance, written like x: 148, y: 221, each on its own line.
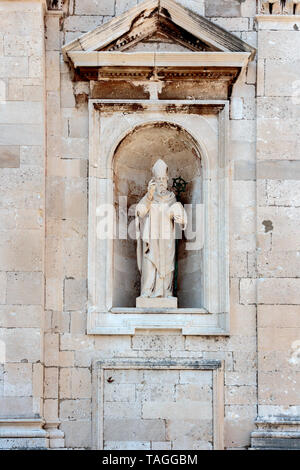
x: 157, y: 214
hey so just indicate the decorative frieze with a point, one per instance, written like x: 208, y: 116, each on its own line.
x: 280, y: 7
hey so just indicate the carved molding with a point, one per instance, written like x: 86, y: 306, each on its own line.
x: 163, y: 17
x: 280, y: 7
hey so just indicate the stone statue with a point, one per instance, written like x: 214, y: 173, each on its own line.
x: 156, y: 216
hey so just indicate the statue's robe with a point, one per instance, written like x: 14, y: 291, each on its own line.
x: 155, y: 223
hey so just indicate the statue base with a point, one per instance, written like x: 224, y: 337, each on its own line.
x: 156, y: 302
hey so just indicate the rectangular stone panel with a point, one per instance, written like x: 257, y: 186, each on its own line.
x: 156, y: 408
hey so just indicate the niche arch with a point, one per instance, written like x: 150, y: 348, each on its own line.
x: 133, y: 159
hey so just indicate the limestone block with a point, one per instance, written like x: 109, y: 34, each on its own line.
x: 243, y: 319
x: 232, y: 24
x: 14, y: 67
x: 10, y: 407
x: 183, y: 410
x: 278, y: 291
x: 236, y: 108
x: 124, y: 5
x: 162, y: 376
x: 78, y: 323
x: 274, y: 219
x: 51, y: 342
x: 190, y: 444
x: 35, y: 66
x: 116, y: 410
x: 250, y: 37
x: 52, y: 71
x: 157, y: 342
x: 237, y: 430
x: 19, y: 45
x: 188, y: 377
x: 52, y: 33
x: 31, y: 155
x: 75, y: 410
x: 193, y: 392
x: 192, y: 429
x: 243, y: 130
x: 50, y: 409
x: 280, y: 388
x: 95, y: 7
x: 37, y: 380
x: 127, y: 445
x: 15, y: 89
x: 9, y: 156
x: 16, y: 112
x: 18, y: 380
x: 22, y: 344
x: 14, y: 316
x: 155, y: 392
x: 21, y: 134
x: 21, y: 250
x: 278, y: 264
x: 51, y: 382
x: 248, y: 8
x: 278, y: 45
x: 240, y: 395
x: 277, y: 108
x: 129, y: 429
x: 251, y: 73
x: 81, y: 383
x: 75, y: 294
x: 277, y: 339
x: 78, y: 127
x: 81, y: 342
x: 237, y: 378
x: 75, y: 147
x: 65, y: 375
x: 25, y: 288
x: 119, y: 393
x: 82, y: 23
x: 161, y: 446
x: 66, y: 358
x: 77, y: 434
x: 280, y: 76
x: 75, y: 265
x: 33, y: 93
x: 197, y: 6
x: 278, y: 316
x: 227, y: 8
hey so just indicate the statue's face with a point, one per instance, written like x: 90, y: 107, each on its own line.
x: 161, y: 185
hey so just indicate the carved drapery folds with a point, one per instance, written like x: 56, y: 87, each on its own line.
x: 280, y: 7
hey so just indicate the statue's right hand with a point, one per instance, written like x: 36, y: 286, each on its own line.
x: 151, y: 188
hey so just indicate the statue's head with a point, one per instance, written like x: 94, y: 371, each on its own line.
x: 160, y: 174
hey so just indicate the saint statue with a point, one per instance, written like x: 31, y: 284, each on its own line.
x: 157, y: 214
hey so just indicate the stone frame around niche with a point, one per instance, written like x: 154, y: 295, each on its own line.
x: 215, y: 366
x: 115, y: 119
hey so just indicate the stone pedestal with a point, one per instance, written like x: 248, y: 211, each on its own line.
x: 156, y: 302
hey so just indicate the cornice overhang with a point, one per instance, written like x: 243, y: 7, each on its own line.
x: 159, y: 59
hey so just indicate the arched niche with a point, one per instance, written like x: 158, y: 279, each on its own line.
x: 195, y: 132
x: 133, y: 160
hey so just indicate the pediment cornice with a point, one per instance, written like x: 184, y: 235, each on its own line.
x: 209, y: 53
x: 164, y: 17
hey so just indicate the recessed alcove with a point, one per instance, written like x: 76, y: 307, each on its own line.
x: 132, y: 163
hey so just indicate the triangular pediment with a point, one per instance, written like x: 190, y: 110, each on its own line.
x: 155, y: 22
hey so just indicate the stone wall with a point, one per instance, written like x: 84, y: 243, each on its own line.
x: 22, y: 202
